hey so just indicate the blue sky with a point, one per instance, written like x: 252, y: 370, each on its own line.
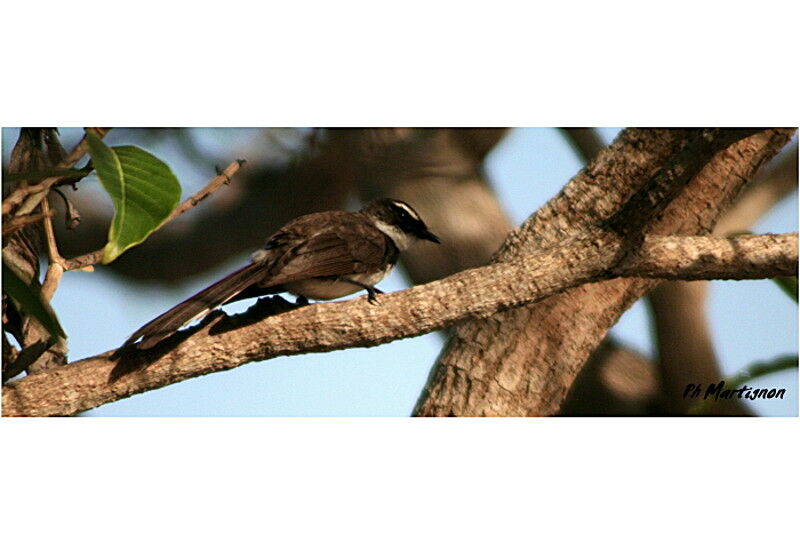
x: 750, y: 320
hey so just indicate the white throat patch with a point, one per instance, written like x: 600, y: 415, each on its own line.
x: 402, y: 240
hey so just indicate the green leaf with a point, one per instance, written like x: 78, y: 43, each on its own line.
x: 30, y: 301
x: 789, y: 285
x: 143, y: 188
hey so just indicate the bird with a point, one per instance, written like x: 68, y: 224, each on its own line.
x: 320, y: 256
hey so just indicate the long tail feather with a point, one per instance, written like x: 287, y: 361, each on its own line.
x: 196, y: 306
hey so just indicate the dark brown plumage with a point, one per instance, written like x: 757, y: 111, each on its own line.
x: 320, y: 256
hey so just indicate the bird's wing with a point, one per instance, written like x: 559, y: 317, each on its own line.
x: 349, y: 247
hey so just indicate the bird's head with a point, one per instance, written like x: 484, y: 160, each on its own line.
x: 399, y: 221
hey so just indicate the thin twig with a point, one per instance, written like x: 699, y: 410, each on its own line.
x: 82, y: 147
x: 86, y: 260
x: 32, y: 194
x: 52, y: 249
x: 223, y: 178
x: 24, y: 220
x: 56, y: 267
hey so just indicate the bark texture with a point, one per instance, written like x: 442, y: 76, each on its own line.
x: 523, y: 362
x: 684, y: 346
x: 223, y: 343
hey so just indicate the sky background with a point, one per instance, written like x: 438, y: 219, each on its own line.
x: 750, y: 320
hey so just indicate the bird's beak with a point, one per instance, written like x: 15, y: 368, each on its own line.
x: 429, y: 236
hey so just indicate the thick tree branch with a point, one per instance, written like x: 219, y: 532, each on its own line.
x: 479, y: 292
x: 768, y: 188
x: 522, y: 362
x: 712, y: 258
x: 685, y: 350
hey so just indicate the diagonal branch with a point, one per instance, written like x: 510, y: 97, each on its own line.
x: 223, y: 178
x: 222, y: 344
x: 33, y: 194
x: 523, y: 362
x: 684, y: 345
x: 24, y: 220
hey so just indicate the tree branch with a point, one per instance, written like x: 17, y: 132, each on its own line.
x: 266, y: 194
x: 523, y: 362
x: 223, y: 178
x: 32, y: 195
x: 222, y: 343
x: 22, y: 221
x: 685, y: 350
x: 746, y: 257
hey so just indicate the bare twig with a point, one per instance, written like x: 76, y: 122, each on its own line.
x: 223, y: 178
x: 24, y: 220
x: 56, y: 262
x: 32, y: 195
x: 87, y: 260
x: 40, y: 351
x: 82, y: 147
x: 478, y: 292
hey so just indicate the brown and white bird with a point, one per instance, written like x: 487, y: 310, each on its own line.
x: 320, y: 256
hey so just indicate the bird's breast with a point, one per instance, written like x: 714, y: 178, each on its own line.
x: 327, y: 289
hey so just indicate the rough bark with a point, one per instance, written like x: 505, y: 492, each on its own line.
x: 615, y: 380
x: 524, y: 361
x: 685, y: 350
x: 481, y: 292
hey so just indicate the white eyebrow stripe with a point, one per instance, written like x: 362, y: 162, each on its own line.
x: 402, y: 205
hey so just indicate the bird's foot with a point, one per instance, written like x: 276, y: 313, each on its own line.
x: 372, y: 294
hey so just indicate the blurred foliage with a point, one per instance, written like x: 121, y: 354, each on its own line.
x: 756, y: 370
x: 788, y: 285
x: 29, y: 300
